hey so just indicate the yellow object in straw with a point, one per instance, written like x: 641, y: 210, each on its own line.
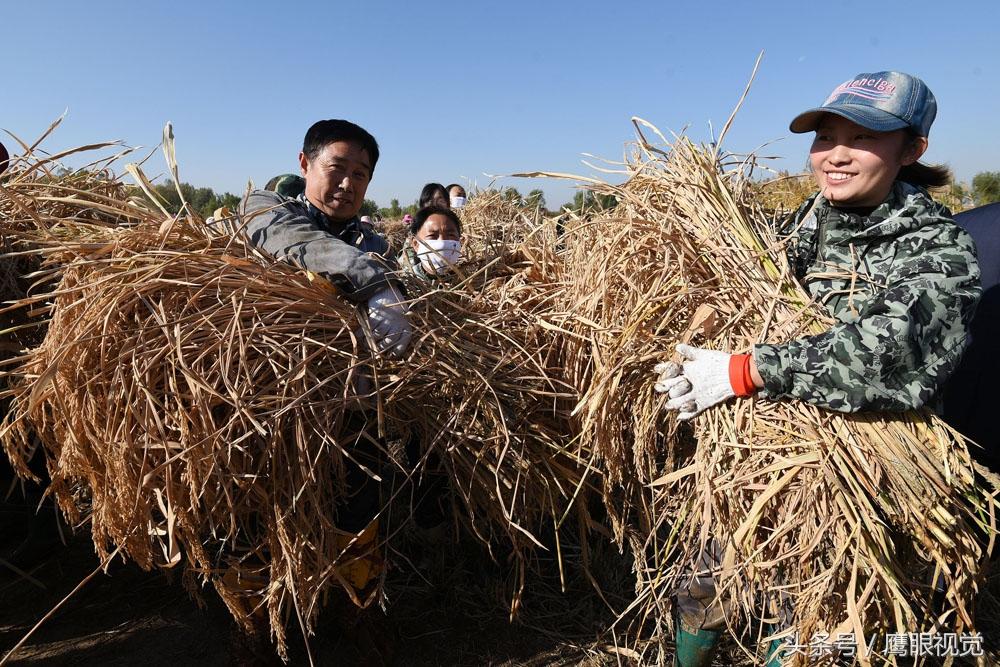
x: 362, y: 561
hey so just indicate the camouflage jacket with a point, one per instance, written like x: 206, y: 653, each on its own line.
x: 408, y: 261
x: 348, y: 254
x: 902, y: 283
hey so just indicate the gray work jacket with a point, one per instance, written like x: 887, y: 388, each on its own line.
x: 348, y: 254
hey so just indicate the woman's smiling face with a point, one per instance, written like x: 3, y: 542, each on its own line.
x: 855, y: 166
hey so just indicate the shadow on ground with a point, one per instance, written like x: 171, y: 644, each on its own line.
x: 448, y: 604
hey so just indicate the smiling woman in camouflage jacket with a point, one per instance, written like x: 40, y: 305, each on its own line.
x: 897, y: 274
x: 887, y: 261
x: 902, y: 283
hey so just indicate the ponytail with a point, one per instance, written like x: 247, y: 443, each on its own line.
x: 924, y: 175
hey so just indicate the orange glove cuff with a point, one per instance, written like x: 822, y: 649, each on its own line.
x: 739, y: 375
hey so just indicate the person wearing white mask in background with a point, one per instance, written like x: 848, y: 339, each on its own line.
x: 457, y: 196
x: 435, y: 244
x: 433, y: 249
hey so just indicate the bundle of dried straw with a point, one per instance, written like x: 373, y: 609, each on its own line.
x: 828, y: 522
x: 202, y: 399
x: 200, y: 394
x: 38, y: 197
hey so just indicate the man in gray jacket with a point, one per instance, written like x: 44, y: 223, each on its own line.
x: 319, y: 230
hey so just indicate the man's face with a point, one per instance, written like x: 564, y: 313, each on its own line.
x: 337, y: 179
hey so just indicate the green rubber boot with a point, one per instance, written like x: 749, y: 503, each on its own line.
x: 696, y: 649
x: 775, y: 653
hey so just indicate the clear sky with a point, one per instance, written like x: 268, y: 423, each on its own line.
x: 454, y: 91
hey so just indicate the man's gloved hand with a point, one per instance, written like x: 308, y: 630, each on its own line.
x: 705, y: 378
x: 390, y: 327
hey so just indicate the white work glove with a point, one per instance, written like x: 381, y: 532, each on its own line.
x: 700, y: 382
x: 387, y: 317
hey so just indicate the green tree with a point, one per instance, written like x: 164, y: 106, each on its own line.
x: 369, y: 207
x: 536, y: 199
x: 230, y: 201
x: 986, y: 187
x: 513, y: 196
x: 203, y: 201
x: 393, y: 212
x: 585, y: 200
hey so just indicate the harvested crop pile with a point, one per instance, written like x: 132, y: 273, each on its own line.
x: 395, y: 232
x: 41, y: 200
x: 831, y: 522
x: 204, y: 399
x: 201, y: 396
x: 493, y: 224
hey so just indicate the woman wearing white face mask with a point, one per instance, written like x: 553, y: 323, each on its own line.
x: 456, y: 195
x: 435, y: 246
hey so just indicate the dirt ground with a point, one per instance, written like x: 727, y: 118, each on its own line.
x: 447, y: 603
x: 451, y: 607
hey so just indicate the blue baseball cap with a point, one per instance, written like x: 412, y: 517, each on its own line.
x: 880, y: 101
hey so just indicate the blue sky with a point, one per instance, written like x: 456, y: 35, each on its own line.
x: 456, y: 90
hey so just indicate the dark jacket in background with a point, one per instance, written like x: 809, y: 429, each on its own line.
x: 972, y: 396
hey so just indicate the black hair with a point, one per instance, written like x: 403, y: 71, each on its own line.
x: 455, y: 185
x: 326, y: 132
x: 427, y: 194
x: 924, y: 175
x: 434, y: 209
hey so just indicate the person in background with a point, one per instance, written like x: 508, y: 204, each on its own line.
x: 433, y: 193
x: 434, y: 248
x: 435, y: 244
x: 287, y: 185
x: 971, y: 397
x: 456, y: 195
x: 4, y: 159
x: 890, y: 265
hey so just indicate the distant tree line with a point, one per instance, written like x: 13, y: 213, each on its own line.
x: 535, y: 199
x: 203, y: 201
x: 986, y: 187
